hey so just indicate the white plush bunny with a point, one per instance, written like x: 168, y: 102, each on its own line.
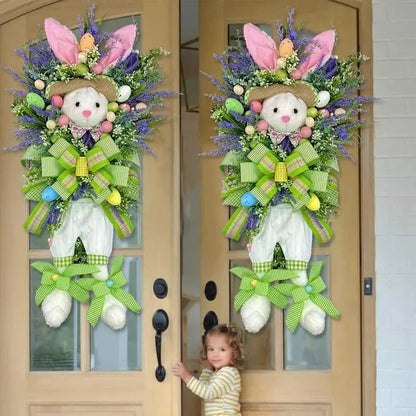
x: 84, y: 106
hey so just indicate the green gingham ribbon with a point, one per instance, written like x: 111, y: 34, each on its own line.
x: 97, y: 259
x: 52, y: 279
x: 251, y: 284
x: 296, y: 264
x: 63, y: 162
x: 310, y: 291
x: 63, y: 261
x: 261, y: 267
x: 112, y: 286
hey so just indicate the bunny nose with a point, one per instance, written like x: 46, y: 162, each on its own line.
x: 285, y: 119
x: 87, y: 113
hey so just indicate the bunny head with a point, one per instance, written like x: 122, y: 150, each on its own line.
x: 85, y: 107
x: 284, y: 112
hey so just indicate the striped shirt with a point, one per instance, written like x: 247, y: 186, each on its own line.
x: 220, y: 390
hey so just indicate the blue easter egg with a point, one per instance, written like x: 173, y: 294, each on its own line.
x: 49, y: 194
x: 248, y: 200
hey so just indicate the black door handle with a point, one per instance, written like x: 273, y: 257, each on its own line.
x: 160, y: 323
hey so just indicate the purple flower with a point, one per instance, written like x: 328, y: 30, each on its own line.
x: 129, y: 64
x: 277, y: 199
x: 252, y: 220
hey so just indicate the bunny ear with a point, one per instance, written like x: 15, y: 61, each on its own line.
x: 119, y: 45
x: 261, y: 46
x: 62, y: 41
x: 320, y: 50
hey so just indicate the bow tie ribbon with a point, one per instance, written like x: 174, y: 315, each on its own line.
x: 277, y: 138
x: 77, y: 132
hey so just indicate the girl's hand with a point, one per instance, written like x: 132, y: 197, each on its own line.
x: 179, y: 369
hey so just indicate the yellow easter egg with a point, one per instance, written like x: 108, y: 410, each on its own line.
x: 313, y: 204
x: 86, y: 43
x: 285, y: 48
x: 114, y: 198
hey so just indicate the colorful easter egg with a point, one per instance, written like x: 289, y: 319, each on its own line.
x: 81, y: 69
x: 114, y: 198
x: 39, y: 84
x: 141, y: 106
x: 313, y: 204
x: 248, y: 200
x: 310, y: 122
x: 339, y: 112
x: 312, y: 112
x: 57, y: 101
x: 231, y: 104
x: 323, y: 99
x: 124, y: 106
x: 324, y: 112
x: 106, y: 126
x: 97, y: 69
x: 49, y: 194
x: 82, y: 58
x: 63, y: 120
x: 50, y: 124
x: 111, y: 116
x: 113, y: 106
x: 262, y: 125
x: 124, y: 93
x: 35, y: 100
x: 87, y: 42
x: 280, y: 74
x: 306, y: 132
x: 256, y: 106
x: 281, y: 63
x: 238, y: 89
x: 285, y: 47
x: 250, y: 129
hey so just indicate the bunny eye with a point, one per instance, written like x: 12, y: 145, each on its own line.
x: 275, y: 110
x: 97, y: 105
x: 77, y: 104
x: 295, y: 110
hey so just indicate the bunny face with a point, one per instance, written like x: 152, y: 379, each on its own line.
x: 85, y: 107
x: 284, y: 112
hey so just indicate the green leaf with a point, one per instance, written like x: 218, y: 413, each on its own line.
x: 243, y: 272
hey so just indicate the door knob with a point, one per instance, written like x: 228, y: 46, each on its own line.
x: 160, y: 323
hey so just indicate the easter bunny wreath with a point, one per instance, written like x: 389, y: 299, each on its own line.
x: 84, y: 118
x: 286, y: 116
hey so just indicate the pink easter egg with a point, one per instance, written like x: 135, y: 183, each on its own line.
x: 106, y: 126
x: 306, y: 132
x: 63, y: 120
x: 324, y: 112
x: 141, y: 106
x: 97, y: 69
x: 263, y: 125
x: 125, y: 106
x: 256, y: 106
x: 57, y: 101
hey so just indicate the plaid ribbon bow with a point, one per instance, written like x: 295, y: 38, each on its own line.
x: 52, y: 279
x: 77, y: 132
x: 277, y: 137
x: 112, y: 286
x: 251, y: 284
x: 310, y: 291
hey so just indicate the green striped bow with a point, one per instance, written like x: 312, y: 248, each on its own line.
x: 52, y: 279
x: 311, y: 291
x: 112, y: 286
x: 66, y: 164
x: 251, y: 284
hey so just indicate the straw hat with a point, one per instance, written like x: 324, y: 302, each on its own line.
x: 301, y: 90
x: 102, y: 84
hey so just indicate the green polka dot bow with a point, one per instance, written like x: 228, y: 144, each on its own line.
x: 52, y: 279
x: 311, y: 291
x: 112, y: 286
x: 252, y: 284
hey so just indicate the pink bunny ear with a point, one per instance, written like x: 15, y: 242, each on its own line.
x: 261, y: 47
x: 320, y: 50
x: 119, y: 46
x: 62, y: 41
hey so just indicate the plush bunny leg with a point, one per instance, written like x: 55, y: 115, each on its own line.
x: 97, y: 236
x: 296, y: 244
x: 56, y: 307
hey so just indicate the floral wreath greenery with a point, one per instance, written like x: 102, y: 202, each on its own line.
x: 38, y: 117
x: 332, y: 128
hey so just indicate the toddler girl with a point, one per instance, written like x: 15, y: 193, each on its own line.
x: 219, y: 384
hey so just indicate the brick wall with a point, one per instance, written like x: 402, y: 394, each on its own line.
x: 394, y: 35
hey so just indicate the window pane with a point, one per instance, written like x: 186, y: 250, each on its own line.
x: 121, y: 350
x: 303, y: 351
x: 259, y: 348
x: 52, y: 349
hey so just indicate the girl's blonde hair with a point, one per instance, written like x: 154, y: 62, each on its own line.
x: 234, y: 340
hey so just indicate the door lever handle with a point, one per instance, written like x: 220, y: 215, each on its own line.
x: 160, y: 323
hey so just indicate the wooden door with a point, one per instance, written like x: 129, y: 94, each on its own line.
x: 286, y: 374
x: 75, y: 370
